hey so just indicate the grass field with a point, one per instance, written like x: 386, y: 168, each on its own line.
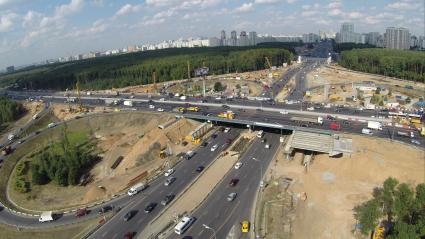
x: 75, y: 231
x: 41, y: 123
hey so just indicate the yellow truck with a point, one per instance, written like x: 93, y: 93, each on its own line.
x: 193, y: 108
x: 227, y: 115
x: 423, y: 131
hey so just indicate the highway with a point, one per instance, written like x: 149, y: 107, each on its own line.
x: 221, y: 215
x: 185, y: 173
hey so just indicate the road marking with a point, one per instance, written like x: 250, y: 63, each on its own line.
x: 104, y: 234
x: 115, y: 236
x: 199, y: 233
x: 227, y: 218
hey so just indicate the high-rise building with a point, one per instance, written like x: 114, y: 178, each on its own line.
x: 10, y: 69
x: 243, y: 39
x: 252, y: 38
x: 310, y: 38
x: 233, y: 38
x: 372, y: 38
x: 397, y: 38
x: 223, y: 38
x: 347, y: 34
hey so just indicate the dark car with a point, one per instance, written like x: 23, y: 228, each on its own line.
x: 129, y: 235
x: 129, y: 215
x: 226, y: 107
x: 204, y: 144
x: 184, y: 143
x: 214, y: 136
x: 346, y: 122
x: 150, y: 207
x: 200, y: 169
x: 167, y: 199
x: 233, y: 182
x: 187, y: 237
x: 228, y: 141
x: 105, y: 209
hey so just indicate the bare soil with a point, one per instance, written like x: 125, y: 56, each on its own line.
x: 334, y: 186
x: 127, y: 134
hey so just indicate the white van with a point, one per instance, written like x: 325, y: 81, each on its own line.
x: 46, y: 217
x: 260, y: 134
x: 184, y: 224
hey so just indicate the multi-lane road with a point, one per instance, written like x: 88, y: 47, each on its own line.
x: 224, y: 216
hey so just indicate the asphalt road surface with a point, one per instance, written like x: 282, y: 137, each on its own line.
x: 221, y: 215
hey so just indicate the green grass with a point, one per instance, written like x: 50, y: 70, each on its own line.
x: 66, y: 232
x: 41, y: 123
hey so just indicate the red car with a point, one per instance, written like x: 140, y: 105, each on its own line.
x: 81, y: 212
x: 129, y: 235
x: 233, y: 182
x: 228, y: 141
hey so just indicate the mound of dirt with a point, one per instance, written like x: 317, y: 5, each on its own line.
x: 94, y: 193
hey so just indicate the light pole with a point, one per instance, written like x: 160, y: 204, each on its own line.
x: 210, y: 228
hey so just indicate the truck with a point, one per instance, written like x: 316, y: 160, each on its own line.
x: 128, y: 103
x: 318, y: 120
x: 260, y: 134
x: 227, y: 115
x: 136, y: 188
x: 374, y: 125
x: 335, y: 126
x: 367, y: 131
x: 422, y: 131
x: 46, y: 217
x: 193, y: 108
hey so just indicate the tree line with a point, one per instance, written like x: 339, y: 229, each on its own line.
x: 408, y: 65
x: 339, y: 47
x: 63, y: 163
x: 137, y: 68
x: 397, y: 207
x: 9, y: 110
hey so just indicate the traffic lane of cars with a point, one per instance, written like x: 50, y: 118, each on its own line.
x: 221, y: 214
x: 184, y: 174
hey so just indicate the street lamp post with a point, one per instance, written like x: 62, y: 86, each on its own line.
x: 210, y: 228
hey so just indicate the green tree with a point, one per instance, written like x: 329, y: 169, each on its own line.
x: 218, y: 87
x: 368, y: 215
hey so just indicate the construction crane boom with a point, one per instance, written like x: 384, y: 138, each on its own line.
x: 268, y: 62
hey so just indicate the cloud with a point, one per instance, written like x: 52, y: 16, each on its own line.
x: 336, y: 4
x: 403, y: 5
x: 31, y: 19
x: 128, y: 8
x: 291, y: 1
x: 67, y: 9
x: 308, y: 13
x: 7, y: 21
x: 246, y: 7
x: 335, y: 12
x: 266, y: 1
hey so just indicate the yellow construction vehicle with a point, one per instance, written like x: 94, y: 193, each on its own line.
x: 182, y: 109
x: 163, y: 153
x: 423, y: 131
x: 379, y: 233
x: 227, y: 115
x: 193, y: 108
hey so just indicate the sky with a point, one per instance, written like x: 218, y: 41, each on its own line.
x: 37, y: 30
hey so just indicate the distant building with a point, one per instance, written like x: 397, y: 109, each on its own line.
x: 233, y: 38
x: 10, y: 69
x: 252, y: 38
x: 347, y: 34
x: 243, y: 39
x: 310, y: 38
x: 397, y: 38
x: 373, y: 38
x: 223, y: 38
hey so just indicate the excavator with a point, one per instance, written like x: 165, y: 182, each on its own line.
x: 226, y: 115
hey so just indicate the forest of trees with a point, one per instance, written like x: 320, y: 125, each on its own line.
x: 339, y: 47
x: 9, y: 110
x: 63, y: 163
x: 397, y: 206
x: 137, y: 68
x: 408, y: 65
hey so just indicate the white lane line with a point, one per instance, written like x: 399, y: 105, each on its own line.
x: 200, y: 233
x: 104, y: 234
x: 115, y: 236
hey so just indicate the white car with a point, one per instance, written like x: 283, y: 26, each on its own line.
x: 151, y: 106
x: 310, y: 108
x: 414, y: 141
x: 238, y: 165
x: 214, y: 147
x: 169, y: 172
x: 284, y: 112
x: 227, y: 130
x: 162, y: 99
x: 160, y: 110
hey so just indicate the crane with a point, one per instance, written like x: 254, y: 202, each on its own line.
x: 188, y: 70
x: 154, y: 80
x: 268, y: 62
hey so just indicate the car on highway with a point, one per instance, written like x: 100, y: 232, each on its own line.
x: 151, y: 106
x: 169, y: 172
x: 81, y: 212
x: 267, y: 146
x: 227, y: 130
x: 231, y: 197
x: 150, y: 207
x: 214, y: 147
x: 200, y: 169
x: 160, y: 110
x: 169, y: 181
x: 105, y: 209
x: 310, y: 108
x: 414, y: 141
x: 229, y: 141
x: 204, y: 144
x: 284, y: 112
x: 167, y: 199
x: 129, y: 235
x: 129, y: 215
x: 214, y: 136
x: 245, y: 226
x: 233, y: 182
x: 238, y: 165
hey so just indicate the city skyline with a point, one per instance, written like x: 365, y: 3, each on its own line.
x: 31, y: 31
